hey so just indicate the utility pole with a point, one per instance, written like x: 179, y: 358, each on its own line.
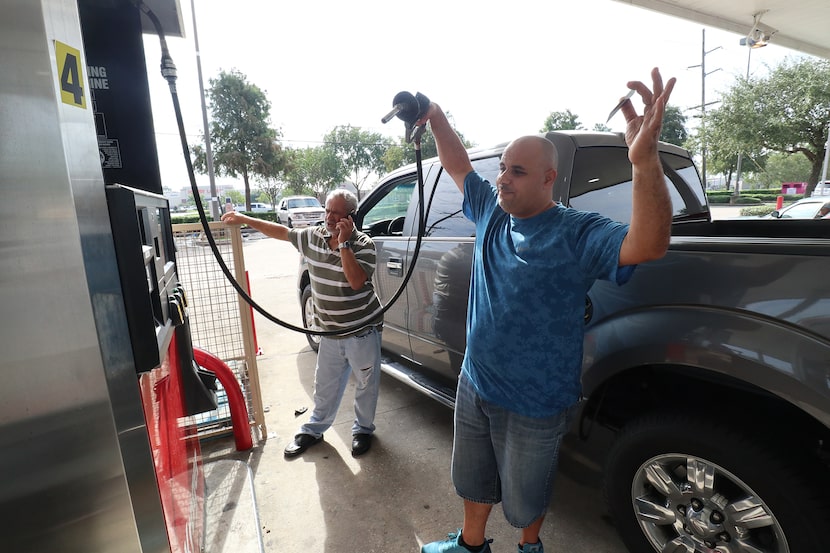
x: 826, y: 157
x: 703, y: 104
x: 214, y: 199
x: 737, y: 191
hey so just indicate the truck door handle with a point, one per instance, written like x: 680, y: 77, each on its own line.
x: 395, y: 266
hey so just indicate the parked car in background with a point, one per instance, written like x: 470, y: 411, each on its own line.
x: 300, y: 211
x: 258, y: 207
x: 808, y: 208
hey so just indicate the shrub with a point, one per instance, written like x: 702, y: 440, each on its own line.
x: 716, y: 196
x: 268, y: 215
x: 719, y: 199
x: 744, y: 200
x: 180, y: 219
x: 757, y: 211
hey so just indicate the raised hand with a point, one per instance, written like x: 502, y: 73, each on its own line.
x: 642, y: 132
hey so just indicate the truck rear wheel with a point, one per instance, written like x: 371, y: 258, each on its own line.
x: 689, y: 484
x: 308, y: 316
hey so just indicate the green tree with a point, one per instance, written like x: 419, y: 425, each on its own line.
x: 787, y: 111
x: 782, y: 167
x: 242, y: 141
x: 361, y: 152
x: 315, y: 171
x: 269, y: 192
x: 601, y: 127
x: 273, y: 180
x: 722, y: 152
x: 235, y: 195
x: 674, y: 126
x: 562, y: 121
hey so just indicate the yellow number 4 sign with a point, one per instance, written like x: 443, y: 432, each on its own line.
x: 71, y: 75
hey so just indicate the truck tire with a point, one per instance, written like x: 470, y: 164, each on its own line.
x: 683, y: 483
x: 308, y: 315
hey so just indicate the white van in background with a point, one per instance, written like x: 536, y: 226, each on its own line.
x: 258, y: 207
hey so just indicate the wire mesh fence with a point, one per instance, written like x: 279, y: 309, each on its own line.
x: 220, y: 321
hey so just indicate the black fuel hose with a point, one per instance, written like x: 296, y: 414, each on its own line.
x: 168, y: 71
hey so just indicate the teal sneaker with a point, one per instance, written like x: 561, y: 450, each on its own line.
x: 451, y: 545
x: 532, y: 547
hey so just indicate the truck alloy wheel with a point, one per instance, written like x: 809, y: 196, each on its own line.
x: 308, y: 315
x: 689, y: 484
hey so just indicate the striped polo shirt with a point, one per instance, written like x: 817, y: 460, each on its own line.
x: 336, y: 304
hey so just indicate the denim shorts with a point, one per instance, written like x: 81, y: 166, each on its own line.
x: 501, y: 456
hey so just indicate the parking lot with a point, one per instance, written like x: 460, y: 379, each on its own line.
x: 397, y: 496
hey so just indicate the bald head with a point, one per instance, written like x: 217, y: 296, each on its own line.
x: 527, y: 173
x: 539, y: 148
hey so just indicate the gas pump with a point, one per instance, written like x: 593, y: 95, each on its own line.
x: 98, y: 368
x: 172, y: 386
x: 97, y: 364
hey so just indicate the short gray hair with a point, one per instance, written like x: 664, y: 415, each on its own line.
x: 351, y: 199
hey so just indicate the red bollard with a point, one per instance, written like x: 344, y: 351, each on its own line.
x: 236, y: 401
x: 779, y: 203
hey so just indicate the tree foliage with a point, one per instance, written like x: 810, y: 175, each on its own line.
x: 315, y: 171
x: 787, y: 111
x: 674, y: 126
x: 361, y: 152
x: 782, y: 168
x: 562, y: 121
x: 242, y: 142
x: 235, y: 195
x: 269, y: 192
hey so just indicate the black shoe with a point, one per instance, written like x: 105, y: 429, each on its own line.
x: 300, y: 444
x: 361, y: 444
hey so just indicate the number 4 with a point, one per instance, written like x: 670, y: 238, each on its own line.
x: 70, y: 73
x: 70, y: 79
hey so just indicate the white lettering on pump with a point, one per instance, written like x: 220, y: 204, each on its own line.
x: 98, y: 77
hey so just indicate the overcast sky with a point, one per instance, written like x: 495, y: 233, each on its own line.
x: 499, y: 68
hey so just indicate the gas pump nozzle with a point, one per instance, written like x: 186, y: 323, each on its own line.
x: 409, y: 109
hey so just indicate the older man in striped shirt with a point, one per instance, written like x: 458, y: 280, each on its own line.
x: 341, y: 261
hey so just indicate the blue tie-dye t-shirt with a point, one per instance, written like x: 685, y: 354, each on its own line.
x: 525, y: 323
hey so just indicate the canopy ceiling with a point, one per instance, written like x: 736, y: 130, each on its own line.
x: 802, y: 25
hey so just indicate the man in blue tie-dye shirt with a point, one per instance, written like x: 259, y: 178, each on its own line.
x: 533, y: 264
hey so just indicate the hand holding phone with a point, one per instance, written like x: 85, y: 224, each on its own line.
x: 344, y: 227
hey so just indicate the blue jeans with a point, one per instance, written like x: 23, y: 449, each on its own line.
x: 337, y: 358
x: 501, y: 456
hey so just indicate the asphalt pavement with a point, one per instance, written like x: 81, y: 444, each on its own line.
x: 398, y: 495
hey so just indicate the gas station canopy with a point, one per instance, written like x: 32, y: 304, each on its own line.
x: 798, y: 24
x: 169, y: 14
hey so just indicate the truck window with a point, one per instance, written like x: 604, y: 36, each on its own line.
x: 446, y: 218
x: 392, y: 207
x: 601, y: 182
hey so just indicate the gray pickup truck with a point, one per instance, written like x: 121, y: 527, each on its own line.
x: 711, y: 366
